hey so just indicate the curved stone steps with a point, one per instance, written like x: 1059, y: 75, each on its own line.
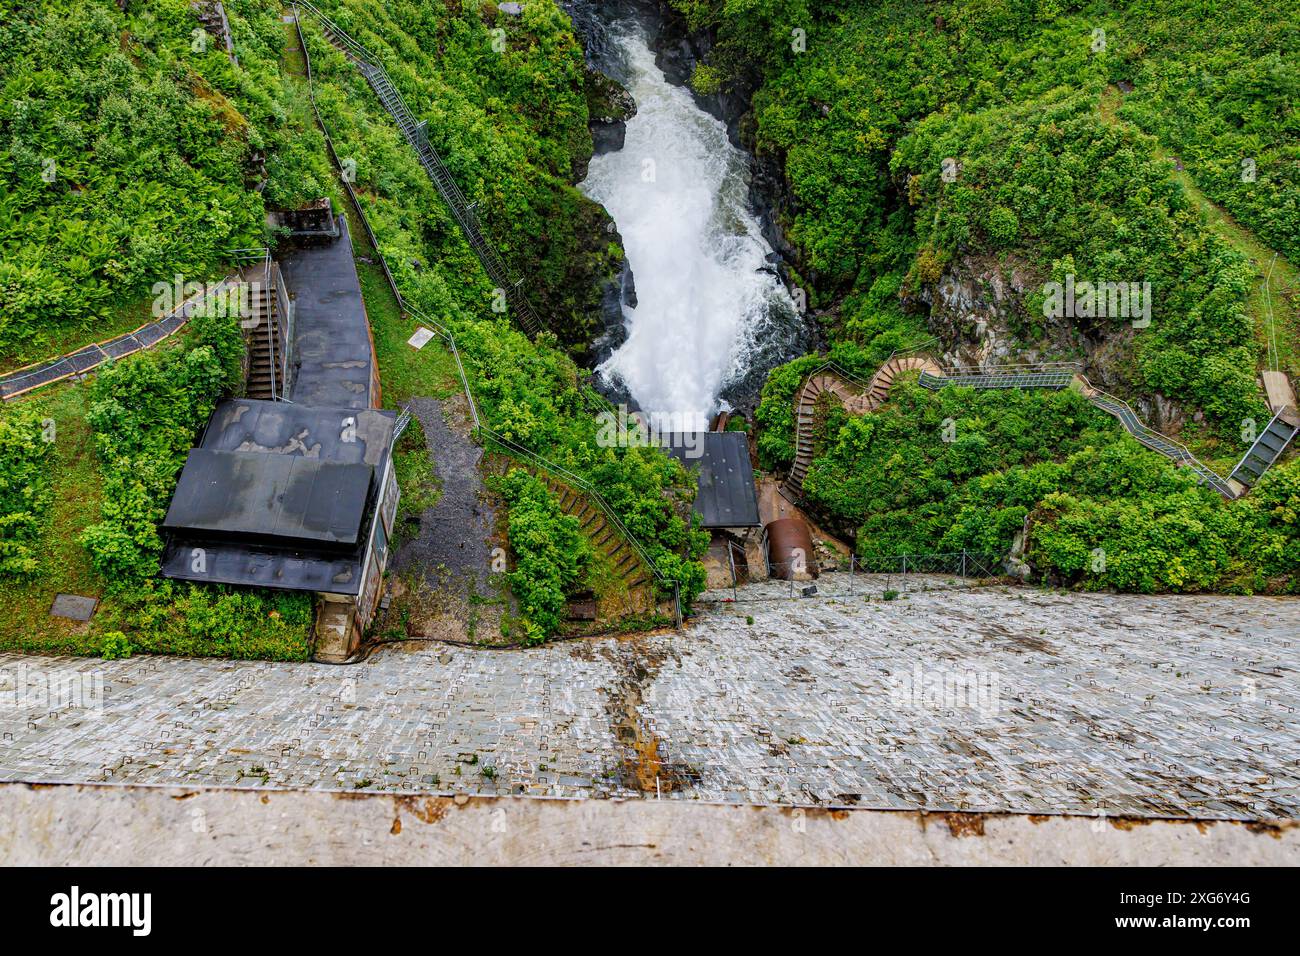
x: 857, y: 401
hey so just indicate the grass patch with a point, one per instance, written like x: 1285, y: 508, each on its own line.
x: 64, y: 564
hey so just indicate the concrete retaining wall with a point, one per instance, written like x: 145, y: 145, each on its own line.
x: 77, y: 824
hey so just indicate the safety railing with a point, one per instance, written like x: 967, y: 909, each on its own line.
x: 859, y: 575
x: 1169, y: 447
x: 414, y: 132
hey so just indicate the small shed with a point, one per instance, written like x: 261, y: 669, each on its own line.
x: 725, y: 496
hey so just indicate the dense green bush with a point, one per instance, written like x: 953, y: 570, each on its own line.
x: 1100, y: 510
x: 128, y: 153
x: 1067, y: 178
x: 510, y: 125
x: 169, y: 617
x: 25, y: 491
x: 508, y: 113
x: 1023, y: 95
x: 552, y: 556
x: 146, y: 413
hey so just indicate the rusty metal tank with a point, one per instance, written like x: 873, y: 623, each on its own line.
x: 790, y: 554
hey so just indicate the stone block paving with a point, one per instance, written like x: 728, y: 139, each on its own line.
x: 978, y: 699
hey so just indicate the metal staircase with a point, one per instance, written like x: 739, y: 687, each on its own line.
x: 860, y: 398
x: 1175, y: 451
x: 1268, y: 447
x: 415, y: 134
x: 1039, y: 375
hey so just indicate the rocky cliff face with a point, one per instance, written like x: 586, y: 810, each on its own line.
x: 978, y: 310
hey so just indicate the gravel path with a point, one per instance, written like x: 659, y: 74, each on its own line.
x: 453, y: 547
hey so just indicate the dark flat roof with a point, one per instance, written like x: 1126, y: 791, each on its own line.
x: 272, y: 498
x: 342, y: 435
x: 331, y: 338
x: 725, y: 496
x: 224, y: 562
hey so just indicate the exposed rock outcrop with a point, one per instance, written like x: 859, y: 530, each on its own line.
x: 609, y: 107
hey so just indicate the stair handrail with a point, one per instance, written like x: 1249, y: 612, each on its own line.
x: 839, y: 370
x: 1014, y: 368
x: 1142, y: 431
x: 461, y: 209
x: 921, y: 346
x: 1271, y: 422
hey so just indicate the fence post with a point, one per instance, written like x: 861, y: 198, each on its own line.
x: 732, y: 562
x: 963, y: 564
x: 852, y: 558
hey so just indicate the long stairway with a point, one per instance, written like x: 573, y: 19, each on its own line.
x: 1176, y: 452
x: 415, y: 134
x: 1268, y: 447
x: 627, y: 563
x: 859, y: 399
x: 260, y: 339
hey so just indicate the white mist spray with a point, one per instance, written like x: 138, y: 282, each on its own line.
x: 678, y: 192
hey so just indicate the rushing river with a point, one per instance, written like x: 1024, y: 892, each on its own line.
x: 712, y: 316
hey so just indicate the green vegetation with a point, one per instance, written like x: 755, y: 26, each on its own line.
x: 146, y: 413
x: 127, y: 153
x: 938, y: 472
x: 508, y: 113
x: 552, y: 557
x: 25, y: 490
x: 923, y: 141
x: 499, y: 133
x: 165, y: 157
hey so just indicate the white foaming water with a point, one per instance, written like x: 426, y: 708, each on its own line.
x: 678, y: 192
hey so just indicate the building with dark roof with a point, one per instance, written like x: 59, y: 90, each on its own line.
x: 725, y: 496
x: 281, y: 496
x: 299, y: 495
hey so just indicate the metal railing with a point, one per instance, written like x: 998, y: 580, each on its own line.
x: 847, y: 578
x: 507, y: 446
x: 415, y: 134
x: 1172, y: 449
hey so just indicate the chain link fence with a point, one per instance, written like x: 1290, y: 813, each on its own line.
x: 867, y: 576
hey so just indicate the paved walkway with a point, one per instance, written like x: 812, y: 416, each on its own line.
x: 990, y: 699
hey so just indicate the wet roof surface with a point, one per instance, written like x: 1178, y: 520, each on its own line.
x: 284, y: 498
x: 219, y: 562
x: 331, y: 338
x: 343, y: 435
x: 725, y: 495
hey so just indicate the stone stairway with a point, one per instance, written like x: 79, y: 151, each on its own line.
x: 859, y: 399
x: 605, y: 537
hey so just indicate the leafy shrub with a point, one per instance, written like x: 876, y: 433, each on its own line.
x: 169, y: 617
x: 146, y: 412
x: 552, y: 556
x: 25, y: 491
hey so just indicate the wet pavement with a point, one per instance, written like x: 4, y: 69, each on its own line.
x: 453, y: 545
x: 944, y: 699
